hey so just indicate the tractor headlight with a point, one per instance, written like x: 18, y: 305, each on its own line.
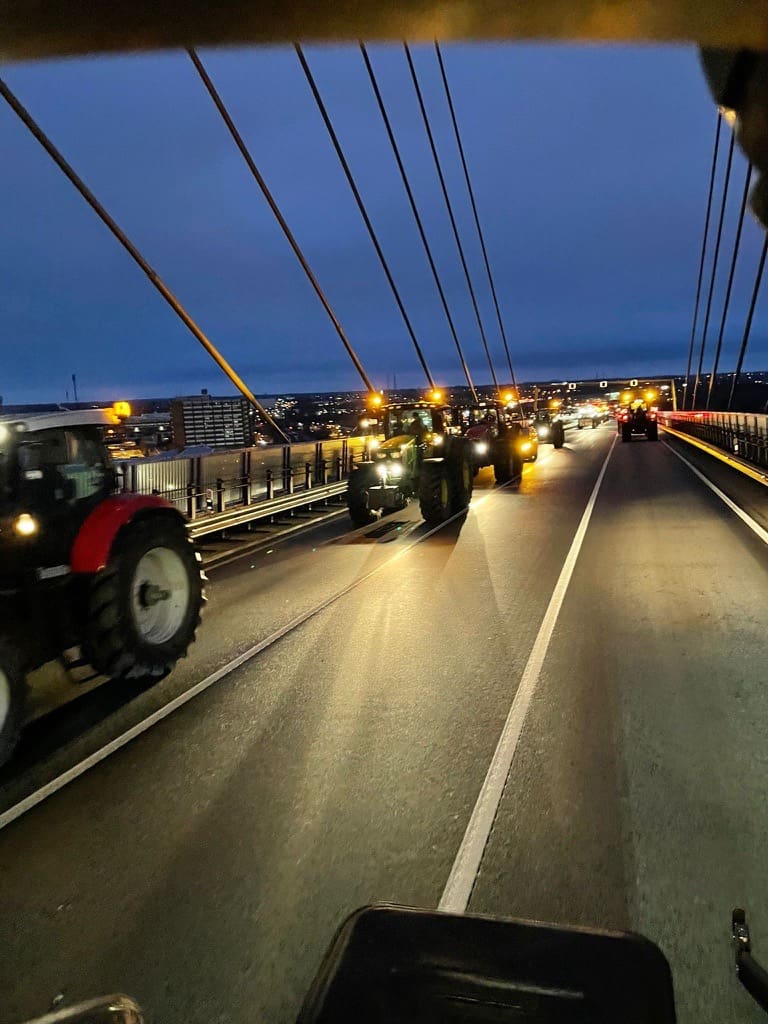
x: 526, y: 446
x: 373, y: 443
x: 481, y: 447
x: 381, y: 469
x: 395, y: 468
x: 437, y: 439
x: 25, y: 525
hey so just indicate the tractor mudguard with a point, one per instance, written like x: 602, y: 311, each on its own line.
x: 93, y: 543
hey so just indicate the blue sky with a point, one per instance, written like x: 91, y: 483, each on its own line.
x: 590, y: 166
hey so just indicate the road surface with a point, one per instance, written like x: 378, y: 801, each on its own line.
x: 203, y: 866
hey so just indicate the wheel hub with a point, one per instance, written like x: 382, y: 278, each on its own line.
x: 160, y: 595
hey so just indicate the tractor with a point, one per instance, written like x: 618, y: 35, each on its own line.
x: 638, y: 418
x: 422, y: 456
x: 113, y: 577
x: 498, y: 439
x: 549, y: 427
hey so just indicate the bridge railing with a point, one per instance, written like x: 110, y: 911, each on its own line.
x: 742, y: 434
x: 224, y: 481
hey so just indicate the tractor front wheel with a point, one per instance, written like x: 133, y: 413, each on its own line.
x: 144, y: 607
x: 434, y: 492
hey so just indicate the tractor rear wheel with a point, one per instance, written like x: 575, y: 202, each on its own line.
x: 652, y: 433
x: 13, y: 698
x: 357, y: 497
x: 144, y: 607
x: 507, y: 464
x: 558, y: 435
x: 626, y: 431
x: 434, y: 492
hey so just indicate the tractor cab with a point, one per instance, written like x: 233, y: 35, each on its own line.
x: 54, y: 471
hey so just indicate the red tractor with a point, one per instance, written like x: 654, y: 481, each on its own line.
x: 81, y: 566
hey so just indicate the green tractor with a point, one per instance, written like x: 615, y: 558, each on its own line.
x: 422, y: 456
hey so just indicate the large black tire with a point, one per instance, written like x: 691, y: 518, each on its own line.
x: 357, y: 496
x: 144, y: 607
x: 435, y: 491
x: 652, y: 433
x: 626, y: 431
x: 461, y: 483
x: 558, y: 435
x: 594, y: 424
x: 13, y: 697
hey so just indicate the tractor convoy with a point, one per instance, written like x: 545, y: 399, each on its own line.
x: 431, y: 452
x: 95, y: 577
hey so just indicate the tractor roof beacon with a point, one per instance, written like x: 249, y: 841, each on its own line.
x: 423, y: 455
x: 81, y: 566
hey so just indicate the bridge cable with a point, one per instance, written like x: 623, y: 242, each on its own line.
x: 449, y: 208
x: 731, y: 273
x: 703, y: 257
x: 26, y: 118
x: 715, y: 259
x: 363, y: 212
x: 417, y: 218
x: 471, y: 192
x: 245, y: 153
x: 748, y: 325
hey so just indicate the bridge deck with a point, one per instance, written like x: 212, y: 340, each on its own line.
x: 203, y: 867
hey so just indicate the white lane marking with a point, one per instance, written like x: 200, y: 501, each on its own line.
x: 754, y: 526
x: 466, y: 865
x: 125, y: 738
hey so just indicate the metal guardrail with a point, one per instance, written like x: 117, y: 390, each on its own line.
x: 226, y: 489
x: 742, y: 434
x: 216, y: 522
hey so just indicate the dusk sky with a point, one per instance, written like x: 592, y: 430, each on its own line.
x: 590, y: 167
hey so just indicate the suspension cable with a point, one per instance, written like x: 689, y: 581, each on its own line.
x: 703, y: 257
x: 715, y: 259
x: 748, y: 325
x: 471, y: 192
x: 363, y: 212
x: 417, y: 218
x: 449, y: 208
x: 26, y: 118
x: 245, y: 153
x: 731, y: 273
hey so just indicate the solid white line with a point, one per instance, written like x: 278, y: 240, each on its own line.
x: 754, y: 526
x: 123, y: 739
x: 466, y: 865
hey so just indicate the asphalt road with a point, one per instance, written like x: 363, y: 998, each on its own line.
x: 204, y: 866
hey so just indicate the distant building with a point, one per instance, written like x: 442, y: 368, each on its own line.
x: 215, y: 422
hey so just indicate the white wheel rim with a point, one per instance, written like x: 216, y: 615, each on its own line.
x: 5, y: 699
x: 160, y: 595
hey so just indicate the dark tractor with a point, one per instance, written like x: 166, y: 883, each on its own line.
x: 549, y: 427
x: 637, y: 418
x: 498, y: 439
x: 113, y: 576
x: 422, y: 456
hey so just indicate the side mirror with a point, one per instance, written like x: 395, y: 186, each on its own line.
x: 115, y: 1009
x: 414, y: 966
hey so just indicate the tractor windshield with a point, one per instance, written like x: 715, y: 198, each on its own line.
x: 415, y: 421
